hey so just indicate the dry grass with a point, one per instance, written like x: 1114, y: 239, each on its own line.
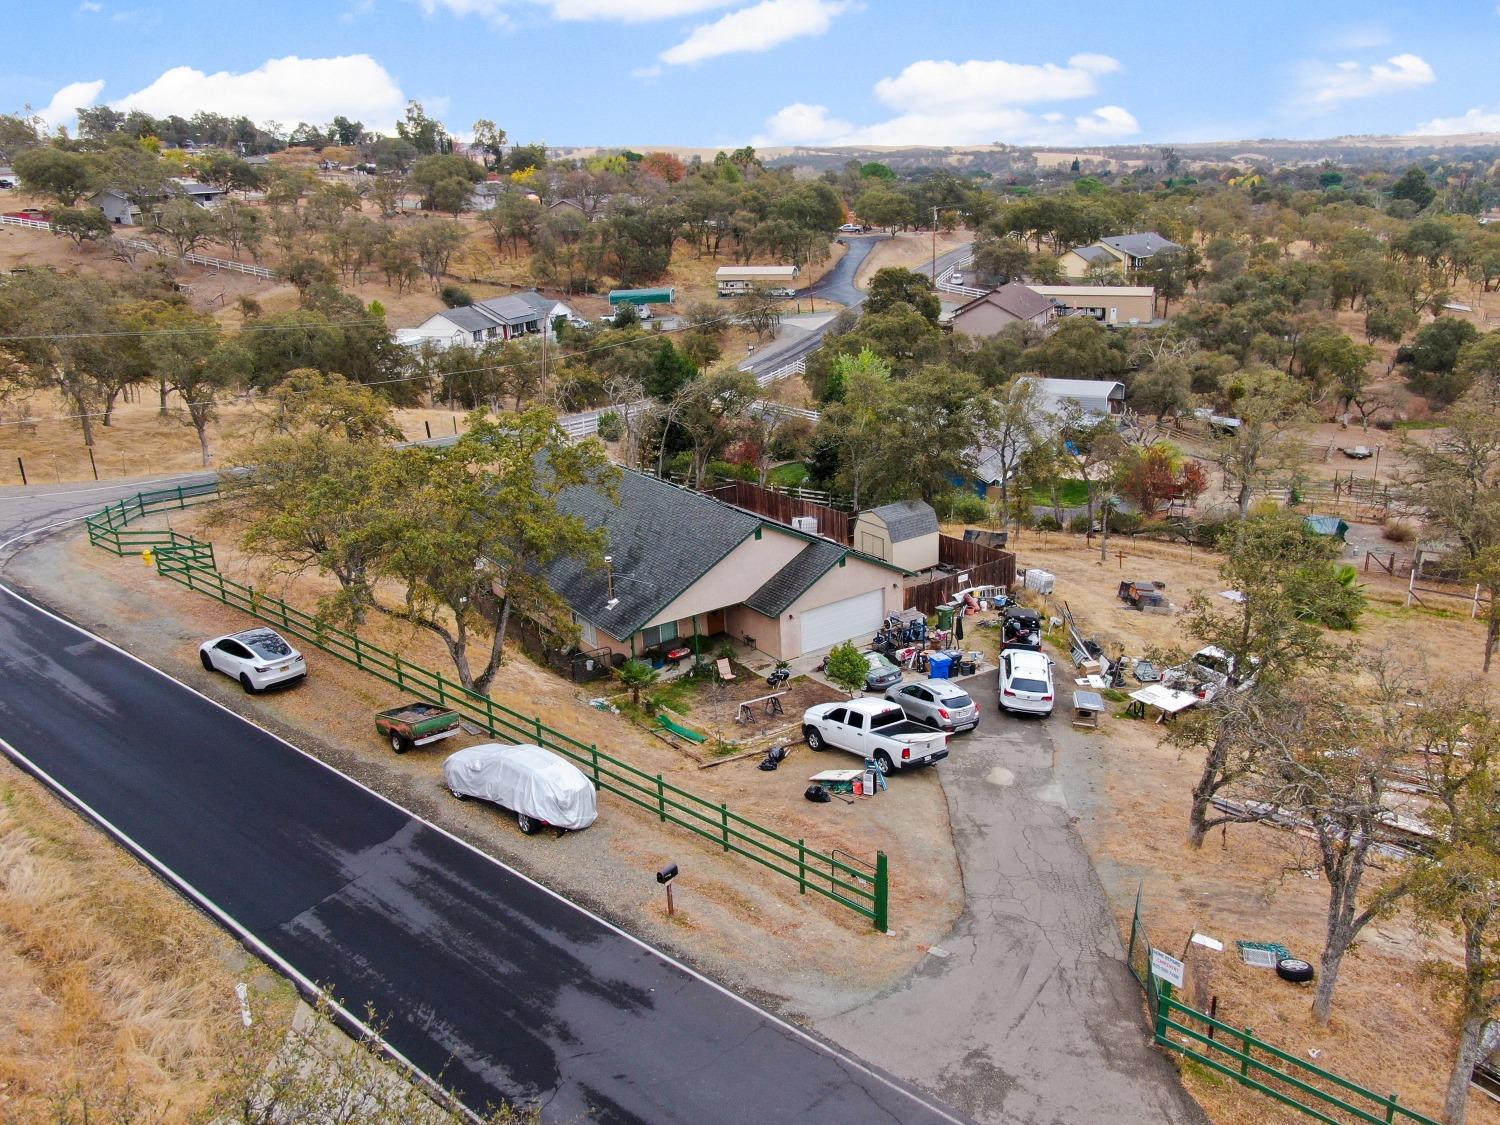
x: 1390, y: 1031
x: 108, y: 981
x: 908, y: 249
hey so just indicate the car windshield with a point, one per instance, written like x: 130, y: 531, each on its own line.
x: 1023, y: 683
x: 879, y: 663
x: 958, y: 702
x: 267, y: 644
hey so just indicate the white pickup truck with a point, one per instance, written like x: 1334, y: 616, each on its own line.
x: 873, y: 728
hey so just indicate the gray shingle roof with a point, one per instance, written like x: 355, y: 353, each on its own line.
x: 511, y: 310
x: 1142, y: 245
x: 470, y: 318
x: 907, y: 519
x: 796, y: 578
x: 662, y: 539
x: 1092, y: 253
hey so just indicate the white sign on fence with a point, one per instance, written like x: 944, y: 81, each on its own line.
x: 1167, y: 967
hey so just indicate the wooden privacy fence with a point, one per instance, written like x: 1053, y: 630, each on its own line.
x: 862, y: 888
x: 975, y: 565
x: 1236, y: 1053
x: 778, y: 506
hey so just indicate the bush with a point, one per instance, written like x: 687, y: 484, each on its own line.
x: 1399, y: 531
x: 456, y: 296
x: 1126, y: 523
x: 611, y: 426
x: 1048, y: 523
x: 961, y: 507
x: 1080, y: 524
x: 1386, y: 424
x: 793, y: 439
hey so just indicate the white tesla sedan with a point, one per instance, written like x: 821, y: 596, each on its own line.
x: 258, y: 658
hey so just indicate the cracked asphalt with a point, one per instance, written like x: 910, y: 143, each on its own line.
x: 1026, y: 1013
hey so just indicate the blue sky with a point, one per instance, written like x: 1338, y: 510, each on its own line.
x: 724, y: 72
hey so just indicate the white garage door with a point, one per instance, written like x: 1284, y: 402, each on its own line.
x: 838, y: 621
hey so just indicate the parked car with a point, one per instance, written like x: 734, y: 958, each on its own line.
x: 873, y: 728
x: 883, y: 672
x: 258, y: 658
x: 416, y: 724
x: 542, y: 789
x: 938, y: 703
x: 1026, y: 682
x: 850, y: 228
x: 956, y: 279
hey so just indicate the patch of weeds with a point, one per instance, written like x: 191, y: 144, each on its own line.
x: 1114, y: 695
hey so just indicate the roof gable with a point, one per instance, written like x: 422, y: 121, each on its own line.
x: 1013, y: 298
x: 907, y: 519
x: 796, y: 578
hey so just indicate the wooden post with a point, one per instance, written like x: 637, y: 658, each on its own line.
x: 670, y: 910
x: 22, y: 466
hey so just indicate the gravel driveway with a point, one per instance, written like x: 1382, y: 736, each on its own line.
x: 1026, y: 1012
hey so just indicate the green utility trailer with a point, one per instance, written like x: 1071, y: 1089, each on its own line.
x: 416, y: 724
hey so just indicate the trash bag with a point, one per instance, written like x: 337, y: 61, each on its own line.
x: 774, y: 757
x: 817, y: 795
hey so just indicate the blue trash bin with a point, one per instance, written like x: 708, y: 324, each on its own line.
x: 939, y: 666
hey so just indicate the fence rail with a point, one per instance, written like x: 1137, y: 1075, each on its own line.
x: 862, y: 888
x: 228, y: 264
x: 797, y: 367
x: 21, y: 221
x: 1236, y: 1053
x: 783, y: 508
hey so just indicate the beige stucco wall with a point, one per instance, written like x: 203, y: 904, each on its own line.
x: 1077, y: 268
x: 871, y: 536
x: 916, y: 554
x: 982, y: 320
x: 854, y: 577
x: 743, y: 571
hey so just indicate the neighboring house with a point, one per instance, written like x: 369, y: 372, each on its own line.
x: 1126, y: 251
x: 485, y: 195
x: 1095, y: 397
x: 779, y: 281
x: 568, y: 206
x: 904, y: 533
x: 683, y: 565
x: 1013, y: 302
x: 497, y: 318
x: 550, y: 309
x: 117, y: 207
x: 1108, y: 304
x: 204, y: 195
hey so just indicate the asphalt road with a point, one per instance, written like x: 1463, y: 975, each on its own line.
x: 1027, y: 1014
x: 504, y: 988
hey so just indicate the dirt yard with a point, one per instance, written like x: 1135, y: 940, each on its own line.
x: 1391, y: 1031
x: 738, y: 921
x: 112, y: 988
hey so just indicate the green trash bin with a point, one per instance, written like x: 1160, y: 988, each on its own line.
x: 945, y: 616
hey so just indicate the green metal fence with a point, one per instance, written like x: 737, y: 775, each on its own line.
x: 1236, y: 1053
x: 865, y: 889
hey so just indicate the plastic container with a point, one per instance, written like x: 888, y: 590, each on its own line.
x: 939, y: 666
x: 945, y: 617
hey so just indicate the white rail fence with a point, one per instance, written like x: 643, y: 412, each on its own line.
x: 151, y: 248
x: 945, y: 283
x: 798, y: 367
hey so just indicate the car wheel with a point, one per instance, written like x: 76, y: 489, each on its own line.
x: 814, y: 739
x: 246, y: 684
x: 527, y: 826
x: 208, y: 665
x: 460, y: 796
x: 398, y: 744
x: 883, y: 763
x: 1294, y: 969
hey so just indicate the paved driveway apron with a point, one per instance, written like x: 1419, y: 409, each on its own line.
x: 1032, y: 1015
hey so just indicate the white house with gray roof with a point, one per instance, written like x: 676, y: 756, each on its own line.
x: 1125, y: 252
x: 496, y: 318
x: 684, y: 567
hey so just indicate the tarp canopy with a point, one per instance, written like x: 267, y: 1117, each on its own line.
x: 525, y: 779
x: 619, y: 297
x: 1327, y: 525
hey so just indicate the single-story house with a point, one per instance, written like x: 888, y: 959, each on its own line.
x: 204, y: 195
x: 1126, y: 251
x: 779, y: 281
x: 904, y: 533
x: 684, y: 566
x: 569, y: 206
x: 117, y: 207
x: 1095, y: 397
x: 495, y: 318
x: 1013, y: 302
x: 1108, y: 304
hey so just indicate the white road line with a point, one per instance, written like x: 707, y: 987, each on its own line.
x: 798, y: 1032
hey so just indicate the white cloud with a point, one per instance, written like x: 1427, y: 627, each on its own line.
x: 617, y: 11
x: 757, y: 28
x: 65, y: 104
x: 974, y: 102
x: 1329, y: 84
x: 291, y: 89
x: 90, y: 6
x: 1361, y: 37
x: 1480, y: 119
x: 935, y: 86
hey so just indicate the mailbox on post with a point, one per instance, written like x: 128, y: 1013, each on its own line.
x: 665, y: 877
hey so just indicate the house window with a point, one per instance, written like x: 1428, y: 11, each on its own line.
x: 659, y: 634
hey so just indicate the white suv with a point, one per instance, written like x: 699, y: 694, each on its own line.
x: 1026, y: 682
x: 258, y: 658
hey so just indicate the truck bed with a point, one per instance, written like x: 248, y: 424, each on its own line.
x: 905, y: 729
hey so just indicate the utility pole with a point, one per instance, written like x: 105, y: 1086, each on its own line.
x: 934, y: 248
